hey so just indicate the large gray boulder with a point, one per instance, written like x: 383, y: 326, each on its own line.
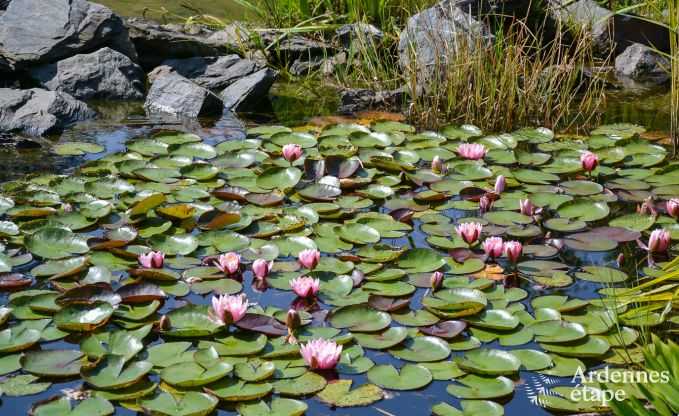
x: 433, y: 37
x: 641, y: 63
x: 38, y: 111
x: 104, y: 74
x: 4, y: 4
x: 45, y: 31
x: 584, y: 15
x: 213, y: 72
x: 246, y: 93
x: 173, y: 94
x: 156, y: 43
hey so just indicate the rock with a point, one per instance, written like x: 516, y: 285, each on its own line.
x: 639, y: 62
x: 38, y: 111
x: 629, y: 29
x: 173, y: 94
x: 326, y: 66
x: 234, y: 36
x: 246, y: 93
x: 4, y: 4
x: 104, y: 74
x: 360, y: 32
x: 45, y: 31
x: 584, y: 14
x: 156, y: 43
x: 353, y: 101
x: 434, y: 35
x: 294, y: 47
x: 17, y: 142
x: 211, y: 72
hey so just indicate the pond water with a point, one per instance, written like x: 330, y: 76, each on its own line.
x: 153, y: 9
x: 123, y: 125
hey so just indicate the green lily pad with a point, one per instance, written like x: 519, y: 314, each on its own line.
x: 421, y: 349
x: 91, y: 406
x: 110, y: 372
x: 408, y: 377
x: 190, y: 404
x: 56, y: 243
x: 488, y: 362
x: 360, y: 318
x: 338, y: 393
x: 307, y: 383
x: 279, y: 407
x: 481, y: 387
x: 53, y: 363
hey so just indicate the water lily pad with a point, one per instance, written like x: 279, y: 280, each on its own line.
x: 83, y: 316
x: 205, y: 368
x: 602, y: 274
x: 308, y: 383
x: 360, y: 318
x: 408, y: 377
x: 338, y: 393
x: 590, y: 347
x: 56, y: 243
x: 558, y: 331
x: 481, y: 387
x: 584, y: 210
x: 279, y: 178
x: 469, y: 408
x: 110, y: 372
x: 486, y: 361
x: 62, y: 405
x: 421, y: 349
x: 234, y: 390
x: 17, y: 339
x: 53, y: 363
x: 279, y: 407
x: 190, y: 404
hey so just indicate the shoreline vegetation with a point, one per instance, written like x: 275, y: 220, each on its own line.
x: 541, y: 66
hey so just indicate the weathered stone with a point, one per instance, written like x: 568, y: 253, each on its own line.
x: 585, y: 15
x: 639, y: 62
x: 4, y: 4
x: 234, y: 36
x: 361, y: 33
x: 37, y: 111
x: 353, y: 101
x: 246, y: 93
x: 211, y: 72
x: 104, y: 74
x: 173, y: 94
x: 293, y: 47
x: 434, y: 36
x: 156, y: 43
x: 45, y: 31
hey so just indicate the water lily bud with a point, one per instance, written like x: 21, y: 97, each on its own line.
x: 659, y: 241
x: 165, y: 324
x: 484, y: 204
x: 500, y: 184
x: 513, y: 251
x: 469, y: 231
x: 437, y: 164
x: 589, y: 161
x: 292, y: 319
x: 261, y: 268
x: 292, y: 152
x: 647, y: 208
x: 436, y: 280
x: 526, y: 207
x: 673, y: 207
x: 620, y: 259
x: 472, y: 151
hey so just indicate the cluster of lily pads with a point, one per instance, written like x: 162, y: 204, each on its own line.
x: 257, y: 274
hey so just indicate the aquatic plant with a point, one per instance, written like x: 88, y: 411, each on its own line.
x: 362, y: 221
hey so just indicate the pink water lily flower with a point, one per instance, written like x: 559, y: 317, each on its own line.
x: 513, y: 251
x: 321, y: 354
x: 493, y: 246
x: 659, y: 241
x: 292, y: 152
x: 500, y: 184
x: 526, y: 207
x: 261, y: 268
x: 309, y: 258
x: 228, y: 309
x: 437, y: 164
x: 673, y: 207
x: 589, y: 161
x: 152, y: 259
x: 305, y: 286
x: 647, y: 207
x: 228, y: 263
x: 472, y: 151
x: 436, y: 280
x: 469, y: 232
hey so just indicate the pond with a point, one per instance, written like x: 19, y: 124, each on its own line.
x: 152, y: 9
x: 367, y: 198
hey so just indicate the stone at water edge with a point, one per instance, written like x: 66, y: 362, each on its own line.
x: 212, y: 72
x: 156, y: 43
x: 639, y: 62
x: 44, y: 31
x: 38, y: 111
x: 104, y: 74
x: 246, y: 93
x: 434, y: 35
x: 173, y: 94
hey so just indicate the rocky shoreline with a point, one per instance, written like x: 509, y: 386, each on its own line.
x: 57, y: 54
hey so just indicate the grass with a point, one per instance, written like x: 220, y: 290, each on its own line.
x: 521, y: 79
